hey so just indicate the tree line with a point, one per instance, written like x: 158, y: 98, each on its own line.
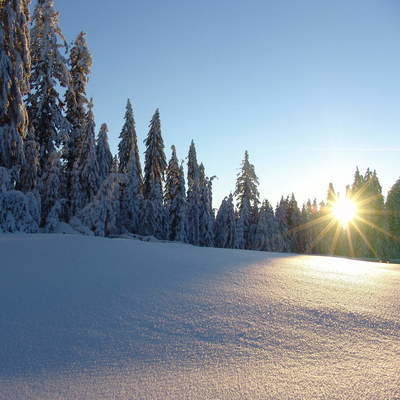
x: 53, y: 167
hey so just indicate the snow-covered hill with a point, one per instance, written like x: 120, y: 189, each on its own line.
x: 92, y: 318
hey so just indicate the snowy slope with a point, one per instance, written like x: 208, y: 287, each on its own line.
x: 93, y: 318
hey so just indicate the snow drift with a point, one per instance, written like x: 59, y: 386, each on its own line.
x: 94, y: 318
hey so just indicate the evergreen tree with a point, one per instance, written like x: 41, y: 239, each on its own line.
x: 28, y: 178
x: 15, y: 64
x: 132, y: 199
x: 193, y: 197
x: 206, y: 213
x: 80, y: 63
x: 282, y: 218
x: 49, y: 72
x: 267, y: 235
x: 175, y: 199
x: 225, y: 225
x: 102, y: 216
x: 51, y: 188
x: 103, y: 153
x: 128, y: 143
x: 154, y: 216
x: 247, y: 198
x: 86, y: 169
x: 115, y: 165
x: 393, y: 219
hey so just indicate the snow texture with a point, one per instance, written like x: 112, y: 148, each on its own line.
x: 94, y: 318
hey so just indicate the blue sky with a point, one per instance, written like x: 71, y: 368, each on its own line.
x: 311, y: 88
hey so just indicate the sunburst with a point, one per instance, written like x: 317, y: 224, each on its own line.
x: 349, y: 218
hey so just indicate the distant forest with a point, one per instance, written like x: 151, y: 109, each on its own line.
x: 55, y: 170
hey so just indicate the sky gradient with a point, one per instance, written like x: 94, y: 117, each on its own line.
x: 310, y: 88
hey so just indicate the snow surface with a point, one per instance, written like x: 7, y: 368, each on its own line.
x: 94, y: 318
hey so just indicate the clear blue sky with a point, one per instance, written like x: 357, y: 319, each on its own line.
x: 311, y: 88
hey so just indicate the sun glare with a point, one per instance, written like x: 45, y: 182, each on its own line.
x: 344, y: 210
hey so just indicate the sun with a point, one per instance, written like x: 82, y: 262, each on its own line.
x: 344, y: 210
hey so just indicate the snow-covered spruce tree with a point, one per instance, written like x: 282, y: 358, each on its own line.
x: 28, y: 178
x: 85, y: 173
x: 15, y: 64
x: 225, y: 225
x: 102, y: 216
x: 175, y: 199
x: 193, y: 197
x: 128, y: 143
x: 154, y: 218
x: 247, y: 199
x: 115, y: 165
x: 80, y: 63
x: 393, y: 219
x: 51, y: 192
x: 18, y: 211
x: 132, y: 198
x: 49, y: 72
x: 267, y: 236
x: 206, y: 214
x: 282, y: 215
x: 103, y: 153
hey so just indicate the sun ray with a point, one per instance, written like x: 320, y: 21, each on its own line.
x: 324, y: 231
x: 363, y: 237
x: 309, y: 224
x: 378, y: 228
x: 335, y: 240
x: 350, y: 241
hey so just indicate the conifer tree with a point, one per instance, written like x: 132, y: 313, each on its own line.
x: 247, y: 198
x: 225, y: 225
x: 393, y: 219
x: 128, y: 143
x: 15, y: 65
x: 262, y: 236
x: 103, y: 153
x: 132, y: 198
x: 193, y: 197
x: 206, y: 214
x: 175, y: 199
x: 86, y: 169
x: 115, y: 164
x: 49, y: 72
x: 80, y: 63
x: 154, y: 218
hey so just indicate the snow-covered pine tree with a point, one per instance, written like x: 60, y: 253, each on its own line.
x: 267, y: 235
x: 102, y: 216
x: 85, y: 173
x: 128, y: 143
x: 50, y: 188
x: 175, y: 199
x: 18, y: 211
x: 281, y: 215
x: 28, y: 178
x: 115, y: 165
x: 103, y: 153
x: 49, y: 72
x: 132, y: 198
x: 193, y: 197
x: 154, y: 220
x: 15, y: 64
x: 247, y: 198
x: 225, y: 225
x: 393, y: 219
x: 206, y: 214
x: 80, y: 63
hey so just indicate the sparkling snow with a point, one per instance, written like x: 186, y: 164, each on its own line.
x: 92, y: 318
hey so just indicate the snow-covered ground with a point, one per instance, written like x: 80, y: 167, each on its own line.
x: 92, y: 318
